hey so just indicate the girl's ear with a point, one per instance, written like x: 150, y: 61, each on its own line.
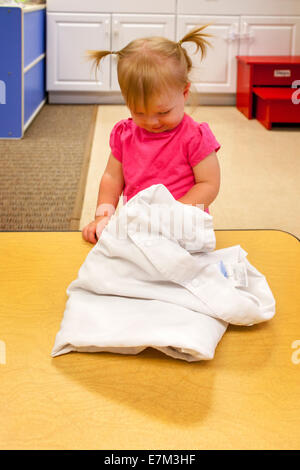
x: 186, y: 90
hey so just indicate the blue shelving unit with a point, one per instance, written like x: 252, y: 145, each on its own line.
x: 22, y: 67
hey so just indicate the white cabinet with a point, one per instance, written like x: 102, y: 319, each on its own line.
x: 237, y: 35
x: 113, y: 6
x: 216, y: 73
x: 126, y: 28
x: 250, y: 27
x: 236, y: 7
x: 270, y: 35
x: 68, y: 37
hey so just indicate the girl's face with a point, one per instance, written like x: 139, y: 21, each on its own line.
x: 165, y: 112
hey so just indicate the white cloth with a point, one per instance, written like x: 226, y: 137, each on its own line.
x: 153, y: 280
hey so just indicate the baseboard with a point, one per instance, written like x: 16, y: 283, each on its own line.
x: 61, y: 97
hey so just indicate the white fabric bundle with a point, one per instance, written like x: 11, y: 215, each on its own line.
x: 153, y: 280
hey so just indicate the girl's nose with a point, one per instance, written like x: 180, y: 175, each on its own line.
x: 153, y: 121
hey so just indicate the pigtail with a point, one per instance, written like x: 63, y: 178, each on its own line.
x: 197, y: 37
x: 96, y: 57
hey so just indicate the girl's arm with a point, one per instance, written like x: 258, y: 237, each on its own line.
x: 207, y: 182
x: 111, y: 186
x: 110, y: 190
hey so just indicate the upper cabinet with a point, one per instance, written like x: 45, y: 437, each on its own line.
x: 237, y: 7
x: 113, y: 6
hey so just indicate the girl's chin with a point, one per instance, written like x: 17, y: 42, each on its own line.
x: 157, y: 129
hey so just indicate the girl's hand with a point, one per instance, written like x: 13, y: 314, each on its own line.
x: 91, y: 232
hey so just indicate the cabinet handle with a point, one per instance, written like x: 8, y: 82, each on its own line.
x: 233, y: 33
x: 106, y: 27
x: 246, y: 34
x: 116, y: 27
x: 232, y: 36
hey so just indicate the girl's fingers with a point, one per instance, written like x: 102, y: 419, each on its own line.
x: 88, y: 234
x: 91, y: 232
x: 92, y: 238
x: 84, y: 234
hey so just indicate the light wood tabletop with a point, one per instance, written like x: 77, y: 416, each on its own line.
x: 247, y: 397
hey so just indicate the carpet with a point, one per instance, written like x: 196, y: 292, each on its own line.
x: 43, y: 175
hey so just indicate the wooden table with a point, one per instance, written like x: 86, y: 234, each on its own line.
x: 247, y: 397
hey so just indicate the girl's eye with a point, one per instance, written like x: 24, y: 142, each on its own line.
x: 142, y: 114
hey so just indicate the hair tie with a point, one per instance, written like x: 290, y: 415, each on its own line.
x: 114, y: 52
x: 180, y: 42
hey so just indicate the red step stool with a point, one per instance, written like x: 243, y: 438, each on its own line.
x: 276, y: 105
x: 264, y: 88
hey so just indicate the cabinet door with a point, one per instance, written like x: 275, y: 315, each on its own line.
x: 126, y: 28
x: 216, y: 73
x: 68, y: 37
x: 270, y: 35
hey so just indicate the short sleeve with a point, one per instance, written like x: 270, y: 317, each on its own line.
x: 201, y: 144
x: 115, y: 140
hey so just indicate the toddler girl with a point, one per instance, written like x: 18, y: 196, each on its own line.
x: 160, y: 143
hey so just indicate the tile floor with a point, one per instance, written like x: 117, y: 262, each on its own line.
x: 260, y: 169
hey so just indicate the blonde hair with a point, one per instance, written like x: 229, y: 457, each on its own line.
x: 152, y: 65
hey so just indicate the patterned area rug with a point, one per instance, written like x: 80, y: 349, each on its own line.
x: 43, y: 175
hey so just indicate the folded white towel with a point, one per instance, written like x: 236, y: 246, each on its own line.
x: 153, y: 280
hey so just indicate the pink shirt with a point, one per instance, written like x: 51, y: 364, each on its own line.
x: 166, y: 157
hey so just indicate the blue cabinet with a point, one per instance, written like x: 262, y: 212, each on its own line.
x: 22, y: 67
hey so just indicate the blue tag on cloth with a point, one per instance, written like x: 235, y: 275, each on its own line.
x: 223, y: 269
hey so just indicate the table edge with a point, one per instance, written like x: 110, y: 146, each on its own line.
x: 215, y: 230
